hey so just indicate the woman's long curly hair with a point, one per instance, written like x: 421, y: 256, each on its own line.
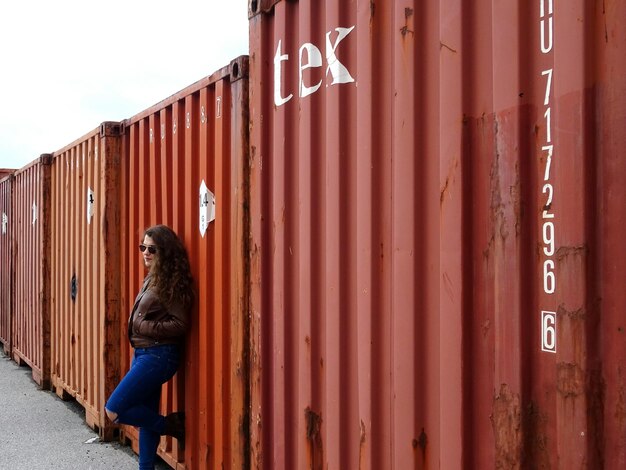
x: 170, y: 271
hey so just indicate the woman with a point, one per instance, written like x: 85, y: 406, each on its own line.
x: 156, y: 328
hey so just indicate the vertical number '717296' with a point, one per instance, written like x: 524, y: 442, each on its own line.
x: 548, y: 229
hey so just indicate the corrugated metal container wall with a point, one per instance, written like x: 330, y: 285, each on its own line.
x: 178, y: 155
x: 6, y: 262
x: 437, y: 201
x: 31, y: 293
x: 85, y: 313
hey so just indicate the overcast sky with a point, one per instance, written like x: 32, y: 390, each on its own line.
x: 68, y: 65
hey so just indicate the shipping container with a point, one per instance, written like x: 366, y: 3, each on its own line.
x: 6, y: 262
x: 185, y: 165
x: 30, y: 313
x: 85, y: 279
x: 437, y: 203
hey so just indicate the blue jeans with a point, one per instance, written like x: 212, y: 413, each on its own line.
x: 137, y: 397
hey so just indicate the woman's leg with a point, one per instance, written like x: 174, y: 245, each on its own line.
x: 148, y: 438
x: 151, y: 368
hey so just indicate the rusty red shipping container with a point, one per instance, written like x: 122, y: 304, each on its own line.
x: 85, y: 285
x: 6, y: 261
x: 5, y: 172
x: 185, y: 163
x: 30, y: 313
x: 437, y: 204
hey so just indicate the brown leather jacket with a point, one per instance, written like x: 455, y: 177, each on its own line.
x: 152, y: 324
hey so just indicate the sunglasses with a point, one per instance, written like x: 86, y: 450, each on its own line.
x: 152, y: 249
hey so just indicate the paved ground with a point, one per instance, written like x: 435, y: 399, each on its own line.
x: 40, y: 431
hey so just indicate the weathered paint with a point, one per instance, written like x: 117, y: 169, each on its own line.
x: 197, y: 139
x: 6, y: 261
x: 30, y: 316
x: 435, y: 246
x: 84, y: 261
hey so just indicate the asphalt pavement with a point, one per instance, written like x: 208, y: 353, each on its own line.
x: 38, y: 430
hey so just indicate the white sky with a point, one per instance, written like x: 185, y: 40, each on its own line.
x: 68, y: 65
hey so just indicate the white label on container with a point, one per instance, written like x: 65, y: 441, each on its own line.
x: 5, y: 223
x: 548, y: 331
x: 207, y: 208
x: 34, y: 212
x: 90, y: 205
x: 549, y: 232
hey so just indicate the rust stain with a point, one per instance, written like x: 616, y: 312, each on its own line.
x: 516, y: 199
x: 442, y: 45
x: 443, y: 191
x: 570, y: 382
x: 422, y: 440
x: 420, y: 443
x: 507, y: 428
x: 496, y: 203
x: 314, y: 438
x: 487, y: 251
x: 408, y: 13
x: 619, y: 415
x: 447, y: 282
x: 573, y: 315
x: 567, y: 251
x: 536, y: 442
x: 363, y: 433
x: 362, y: 450
x: 405, y: 30
x: 485, y: 327
x: 606, y: 28
x: 449, y: 178
x: 620, y: 406
x: 596, y: 395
